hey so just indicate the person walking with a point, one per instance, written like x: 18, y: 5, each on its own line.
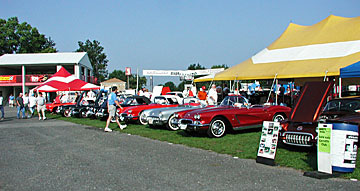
x: 1, y: 106
x: 32, y: 104
x: 112, y: 103
x: 40, y: 105
x: 20, y: 106
x: 11, y: 100
x: 26, y: 103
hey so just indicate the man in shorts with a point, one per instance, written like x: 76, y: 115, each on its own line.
x: 40, y: 104
x: 112, y: 103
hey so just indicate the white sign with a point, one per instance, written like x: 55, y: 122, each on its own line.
x: 181, y: 72
x: 128, y: 71
x: 269, y: 139
x: 324, y: 148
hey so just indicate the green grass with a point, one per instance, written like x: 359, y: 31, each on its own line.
x: 242, y: 144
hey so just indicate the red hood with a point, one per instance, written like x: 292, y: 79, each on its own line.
x: 309, y: 104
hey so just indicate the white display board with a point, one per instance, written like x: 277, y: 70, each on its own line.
x: 324, y: 148
x: 268, y: 140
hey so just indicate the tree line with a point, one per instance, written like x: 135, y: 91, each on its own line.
x: 16, y: 37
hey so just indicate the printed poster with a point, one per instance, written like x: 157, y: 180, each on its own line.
x: 269, y: 139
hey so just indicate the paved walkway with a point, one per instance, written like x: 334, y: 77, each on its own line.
x: 58, y: 155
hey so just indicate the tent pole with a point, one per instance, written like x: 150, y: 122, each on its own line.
x: 340, y: 87
x: 272, y: 85
x: 325, y: 75
x: 276, y: 97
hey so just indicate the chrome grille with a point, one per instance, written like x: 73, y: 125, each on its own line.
x: 296, y: 138
x: 186, y: 121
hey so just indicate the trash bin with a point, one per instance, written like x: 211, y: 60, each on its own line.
x: 344, y: 146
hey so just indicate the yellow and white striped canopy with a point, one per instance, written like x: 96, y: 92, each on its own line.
x: 304, y: 51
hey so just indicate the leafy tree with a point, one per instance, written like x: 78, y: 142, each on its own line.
x: 97, y: 57
x: 195, y: 67
x: 220, y: 66
x: 18, y: 37
x: 171, y: 85
x: 132, y: 78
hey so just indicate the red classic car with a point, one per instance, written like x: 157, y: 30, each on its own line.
x: 300, y: 129
x: 51, y: 107
x: 134, y: 113
x: 233, y: 113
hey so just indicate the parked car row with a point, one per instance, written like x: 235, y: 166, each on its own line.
x: 234, y: 112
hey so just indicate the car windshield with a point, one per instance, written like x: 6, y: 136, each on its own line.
x: 160, y: 100
x: 347, y: 105
x: 234, y: 100
x: 133, y: 101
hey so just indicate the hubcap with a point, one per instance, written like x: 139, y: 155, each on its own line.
x: 218, y: 128
x: 278, y: 118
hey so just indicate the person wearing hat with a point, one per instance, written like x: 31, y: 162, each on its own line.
x: 112, y: 103
x: 202, y: 94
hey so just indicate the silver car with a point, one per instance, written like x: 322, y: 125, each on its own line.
x: 165, y: 116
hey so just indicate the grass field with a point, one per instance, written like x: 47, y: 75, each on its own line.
x: 243, y: 144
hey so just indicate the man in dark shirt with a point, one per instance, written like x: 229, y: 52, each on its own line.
x: 20, y: 106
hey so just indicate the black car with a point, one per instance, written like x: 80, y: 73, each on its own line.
x: 103, y: 114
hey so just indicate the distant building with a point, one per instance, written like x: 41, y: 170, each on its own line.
x: 113, y: 82
x: 22, y: 72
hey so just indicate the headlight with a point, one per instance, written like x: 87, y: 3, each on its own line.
x: 197, y: 116
x: 160, y: 115
x: 176, y: 115
x: 130, y: 111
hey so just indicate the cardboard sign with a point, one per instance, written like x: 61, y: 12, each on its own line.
x: 324, y: 148
x: 268, y: 142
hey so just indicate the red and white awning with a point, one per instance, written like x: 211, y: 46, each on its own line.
x: 64, y: 81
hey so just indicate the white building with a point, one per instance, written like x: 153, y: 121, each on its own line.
x: 21, y: 72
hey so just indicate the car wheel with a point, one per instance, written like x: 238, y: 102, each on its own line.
x: 142, y: 118
x: 67, y: 113
x: 278, y: 117
x: 170, y: 123
x: 54, y: 110
x: 83, y: 114
x: 217, y: 128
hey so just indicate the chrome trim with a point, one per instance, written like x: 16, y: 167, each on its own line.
x: 298, y: 138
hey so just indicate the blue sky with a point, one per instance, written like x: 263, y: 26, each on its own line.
x: 172, y: 34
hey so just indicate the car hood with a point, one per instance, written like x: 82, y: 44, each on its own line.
x: 207, y: 110
x: 310, y: 102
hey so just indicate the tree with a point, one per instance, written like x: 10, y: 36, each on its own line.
x: 195, y: 67
x: 171, y: 85
x: 132, y: 78
x: 220, y: 66
x: 18, y: 37
x: 97, y: 57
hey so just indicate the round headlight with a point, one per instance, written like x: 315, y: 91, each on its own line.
x: 197, y: 116
x: 176, y: 115
x: 130, y: 111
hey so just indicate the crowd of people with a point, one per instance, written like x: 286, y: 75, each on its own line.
x: 25, y: 105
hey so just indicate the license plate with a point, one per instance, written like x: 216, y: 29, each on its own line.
x: 183, y: 126
x: 150, y: 120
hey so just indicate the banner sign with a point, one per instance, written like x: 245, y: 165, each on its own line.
x: 127, y: 71
x: 324, y: 148
x: 38, y: 78
x: 268, y: 142
x: 181, y: 72
x: 8, y: 78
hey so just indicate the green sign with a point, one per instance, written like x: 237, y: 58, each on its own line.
x: 324, y: 140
